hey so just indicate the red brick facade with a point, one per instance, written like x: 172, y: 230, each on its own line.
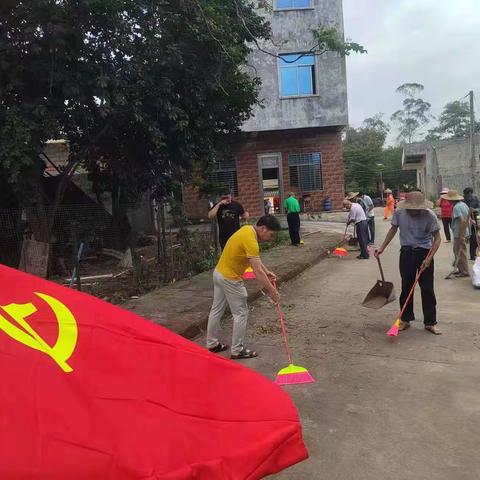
x: 312, y: 140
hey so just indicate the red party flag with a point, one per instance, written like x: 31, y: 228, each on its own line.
x: 90, y: 391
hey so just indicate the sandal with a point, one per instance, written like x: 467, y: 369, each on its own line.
x: 244, y: 354
x: 221, y: 347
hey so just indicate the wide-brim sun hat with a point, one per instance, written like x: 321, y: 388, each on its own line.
x: 415, y: 201
x: 452, y: 195
x: 388, y: 191
x: 350, y: 196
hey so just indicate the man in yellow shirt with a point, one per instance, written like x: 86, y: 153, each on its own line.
x: 240, y: 252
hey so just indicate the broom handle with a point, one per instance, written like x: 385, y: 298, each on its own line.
x: 381, y: 269
x: 417, y: 278
x: 284, y: 330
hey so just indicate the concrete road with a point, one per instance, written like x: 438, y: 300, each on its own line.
x: 397, y: 409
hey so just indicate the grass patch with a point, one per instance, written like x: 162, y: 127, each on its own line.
x: 283, y: 238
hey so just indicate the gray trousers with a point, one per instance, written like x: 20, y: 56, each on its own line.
x: 234, y: 294
x: 460, y: 252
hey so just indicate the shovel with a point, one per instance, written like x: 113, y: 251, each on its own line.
x: 382, y: 293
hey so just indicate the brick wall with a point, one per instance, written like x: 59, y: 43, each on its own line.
x: 195, y: 206
x: 326, y: 141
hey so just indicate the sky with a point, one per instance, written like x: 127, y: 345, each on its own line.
x: 432, y: 42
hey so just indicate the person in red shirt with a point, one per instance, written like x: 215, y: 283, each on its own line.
x: 446, y: 214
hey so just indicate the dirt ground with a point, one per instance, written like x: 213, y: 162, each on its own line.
x: 397, y: 409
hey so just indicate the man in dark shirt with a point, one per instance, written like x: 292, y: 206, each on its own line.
x: 228, y: 213
x: 474, y: 205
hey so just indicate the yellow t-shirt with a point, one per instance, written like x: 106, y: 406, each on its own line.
x: 241, y: 246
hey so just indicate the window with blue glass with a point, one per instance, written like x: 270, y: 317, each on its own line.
x: 297, y: 74
x: 286, y: 4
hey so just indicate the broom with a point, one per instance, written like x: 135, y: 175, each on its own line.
x: 395, y: 328
x: 293, y: 374
x: 340, y: 251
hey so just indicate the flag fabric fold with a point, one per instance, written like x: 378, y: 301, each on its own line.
x: 91, y: 391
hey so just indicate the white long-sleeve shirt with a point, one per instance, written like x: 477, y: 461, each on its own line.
x: 357, y: 214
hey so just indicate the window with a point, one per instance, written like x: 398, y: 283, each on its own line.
x: 297, y: 74
x: 305, y: 171
x: 292, y: 4
x: 226, y: 175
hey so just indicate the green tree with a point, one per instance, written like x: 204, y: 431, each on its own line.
x: 415, y: 113
x: 362, y: 152
x: 454, y: 121
x: 142, y: 90
x: 367, y: 159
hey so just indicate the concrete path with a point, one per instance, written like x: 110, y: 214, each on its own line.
x: 397, y: 409
x: 184, y: 306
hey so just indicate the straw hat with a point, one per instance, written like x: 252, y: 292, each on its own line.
x: 444, y: 191
x: 452, y: 195
x: 415, y: 201
x: 388, y: 191
x: 350, y: 196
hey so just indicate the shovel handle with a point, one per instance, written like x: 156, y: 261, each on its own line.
x: 381, y: 269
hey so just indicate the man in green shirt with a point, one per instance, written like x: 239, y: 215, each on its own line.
x: 292, y: 207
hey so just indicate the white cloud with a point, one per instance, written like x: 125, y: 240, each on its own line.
x: 426, y: 41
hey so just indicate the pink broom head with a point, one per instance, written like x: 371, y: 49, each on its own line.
x: 293, y: 375
x: 249, y: 274
x: 393, y: 332
x: 340, y: 252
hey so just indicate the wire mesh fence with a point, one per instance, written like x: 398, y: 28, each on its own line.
x: 111, y: 253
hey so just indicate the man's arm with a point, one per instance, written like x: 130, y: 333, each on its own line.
x: 269, y: 274
x: 262, y: 277
x: 213, y: 212
x: 390, y: 236
x: 437, y: 241
x: 463, y: 227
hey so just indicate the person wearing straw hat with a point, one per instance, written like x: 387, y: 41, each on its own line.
x: 419, y: 239
x: 358, y: 217
x: 446, y: 215
x: 390, y: 208
x: 461, y: 231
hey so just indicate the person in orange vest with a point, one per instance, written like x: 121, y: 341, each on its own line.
x: 390, y: 208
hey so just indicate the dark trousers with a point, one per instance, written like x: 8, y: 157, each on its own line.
x: 362, y: 234
x: 447, y: 224
x: 474, y: 242
x: 411, y: 260
x: 371, y: 230
x: 293, y: 220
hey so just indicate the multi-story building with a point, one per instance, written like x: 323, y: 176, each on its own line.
x: 293, y: 142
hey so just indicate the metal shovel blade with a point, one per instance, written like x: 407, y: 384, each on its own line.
x: 381, y: 294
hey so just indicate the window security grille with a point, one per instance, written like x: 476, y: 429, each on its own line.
x: 305, y: 171
x: 226, y: 175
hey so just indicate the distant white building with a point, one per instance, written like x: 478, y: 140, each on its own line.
x: 443, y: 164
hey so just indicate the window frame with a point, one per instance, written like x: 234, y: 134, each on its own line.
x: 289, y: 9
x: 226, y: 167
x: 298, y: 171
x: 314, y: 76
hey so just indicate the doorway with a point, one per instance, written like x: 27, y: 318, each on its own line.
x: 271, y: 183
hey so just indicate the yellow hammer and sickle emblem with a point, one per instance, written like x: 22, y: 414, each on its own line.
x: 67, y: 329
